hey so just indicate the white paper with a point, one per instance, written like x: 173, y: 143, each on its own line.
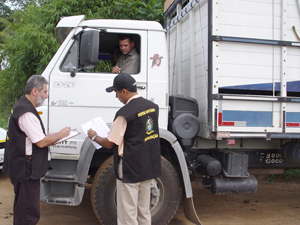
x: 98, y: 125
x: 73, y: 133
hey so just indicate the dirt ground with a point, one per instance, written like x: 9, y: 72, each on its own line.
x: 276, y: 204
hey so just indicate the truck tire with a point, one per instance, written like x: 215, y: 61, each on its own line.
x: 165, y: 194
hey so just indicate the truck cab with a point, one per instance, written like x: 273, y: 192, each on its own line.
x: 77, y: 90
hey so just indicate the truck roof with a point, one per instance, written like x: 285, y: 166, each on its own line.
x: 66, y: 24
x: 123, y: 24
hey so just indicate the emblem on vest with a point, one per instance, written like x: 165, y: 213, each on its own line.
x: 149, y: 126
x: 149, y: 130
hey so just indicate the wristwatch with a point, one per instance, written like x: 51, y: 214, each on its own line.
x: 93, y: 138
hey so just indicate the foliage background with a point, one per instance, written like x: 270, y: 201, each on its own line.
x: 27, y: 35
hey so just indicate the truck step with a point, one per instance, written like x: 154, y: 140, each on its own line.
x: 64, y: 193
x: 60, y: 199
x: 57, y: 175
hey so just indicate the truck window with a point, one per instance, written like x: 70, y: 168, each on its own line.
x: 109, y: 52
x: 71, y: 62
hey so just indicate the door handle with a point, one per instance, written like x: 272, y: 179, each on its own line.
x: 141, y: 87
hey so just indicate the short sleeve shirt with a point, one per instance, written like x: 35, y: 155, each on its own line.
x: 117, y: 131
x: 130, y: 64
x: 31, y: 126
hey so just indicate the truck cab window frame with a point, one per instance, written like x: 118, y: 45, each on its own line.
x: 109, y: 51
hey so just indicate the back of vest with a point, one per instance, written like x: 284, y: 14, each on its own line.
x: 141, y: 157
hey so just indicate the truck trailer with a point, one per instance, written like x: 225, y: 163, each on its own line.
x: 226, y: 77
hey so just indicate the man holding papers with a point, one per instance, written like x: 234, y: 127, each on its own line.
x: 26, y: 151
x: 137, y: 160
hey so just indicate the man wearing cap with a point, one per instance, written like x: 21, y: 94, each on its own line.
x: 137, y: 159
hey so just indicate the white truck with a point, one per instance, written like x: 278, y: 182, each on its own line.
x: 226, y: 77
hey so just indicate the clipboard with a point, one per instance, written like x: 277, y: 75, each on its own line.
x: 98, y: 125
x: 72, y: 134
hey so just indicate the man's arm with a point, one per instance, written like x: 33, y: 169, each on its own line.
x: 100, y: 140
x: 115, y: 135
x: 50, y: 139
x: 31, y: 126
x: 116, y: 68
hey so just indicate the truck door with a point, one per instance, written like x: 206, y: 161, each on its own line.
x: 78, y: 95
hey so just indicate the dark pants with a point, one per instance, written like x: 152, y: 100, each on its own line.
x: 27, y: 200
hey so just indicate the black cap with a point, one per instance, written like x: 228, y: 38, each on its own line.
x: 123, y: 81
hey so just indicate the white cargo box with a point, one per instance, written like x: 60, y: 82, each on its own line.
x: 240, y: 60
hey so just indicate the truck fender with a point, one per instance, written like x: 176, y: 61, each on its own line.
x: 86, y: 155
x: 188, y: 204
x: 168, y: 136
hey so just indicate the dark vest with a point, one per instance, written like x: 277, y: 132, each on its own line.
x: 15, y: 156
x: 141, y: 157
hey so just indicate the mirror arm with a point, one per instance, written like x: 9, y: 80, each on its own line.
x: 73, y: 74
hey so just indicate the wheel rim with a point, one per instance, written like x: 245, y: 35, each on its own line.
x: 157, y: 195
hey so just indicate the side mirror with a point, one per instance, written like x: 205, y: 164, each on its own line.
x: 89, y: 49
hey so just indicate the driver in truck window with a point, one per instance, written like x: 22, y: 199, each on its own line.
x: 137, y: 157
x: 129, y: 61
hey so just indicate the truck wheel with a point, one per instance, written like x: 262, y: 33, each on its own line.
x: 165, y: 194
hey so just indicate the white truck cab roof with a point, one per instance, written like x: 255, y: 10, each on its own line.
x: 66, y: 24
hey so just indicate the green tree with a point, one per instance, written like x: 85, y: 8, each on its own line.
x: 21, y: 4
x: 5, y: 10
x: 139, y: 10
x: 5, y: 17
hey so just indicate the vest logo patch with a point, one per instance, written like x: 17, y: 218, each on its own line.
x: 149, y: 126
x: 149, y: 130
x: 146, y: 112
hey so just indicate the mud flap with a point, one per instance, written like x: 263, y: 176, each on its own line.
x: 190, y: 212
